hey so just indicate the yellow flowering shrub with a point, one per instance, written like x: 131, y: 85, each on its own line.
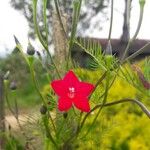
x: 126, y: 126
x: 119, y: 127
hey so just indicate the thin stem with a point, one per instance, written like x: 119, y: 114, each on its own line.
x: 48, y: 131
x: 110, y: 84
x: 58, y: 73
x: 76, y: 14
x: 36, y: 25
x: 136, y: 33
x: 52, y: 121
x: 36, y: 84
x: 59, y: 17
x: 96, y: 85
x: 16, y: 115
x: 34, y: 79
x: 40, y: 36
x: 45, y: 19
x: 100, y: 108
x: 137, y: 52
x: 7, y: 101
x: 99, y: 82
x: 141, y: 105
x: 15, y: 105
x: 111, y: 20
x: 37, y: 89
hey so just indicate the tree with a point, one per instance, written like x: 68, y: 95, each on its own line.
x: 94, y: 7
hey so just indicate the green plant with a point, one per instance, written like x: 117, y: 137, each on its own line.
x: 66, y: 128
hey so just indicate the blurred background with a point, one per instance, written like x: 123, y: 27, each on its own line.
x: 16, y: 19
x: 124, y: 127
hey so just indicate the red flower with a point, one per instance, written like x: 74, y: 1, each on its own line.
x: 72, y: 92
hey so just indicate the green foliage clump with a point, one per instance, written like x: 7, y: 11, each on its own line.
x: 123, y: 127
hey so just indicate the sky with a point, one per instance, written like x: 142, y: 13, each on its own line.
x: 13, y: 23
x: 118, y: 21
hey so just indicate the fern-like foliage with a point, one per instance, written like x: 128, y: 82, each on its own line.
x: 93, y: 49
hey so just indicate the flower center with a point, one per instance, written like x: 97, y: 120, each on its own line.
x: 71, y: 92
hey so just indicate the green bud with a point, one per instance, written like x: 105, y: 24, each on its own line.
x: 30, y: 50
x: 43, y: 109
x: 13, y: 85
x: 65, y: 115
x: 16, y: 40
x: 108, y: 50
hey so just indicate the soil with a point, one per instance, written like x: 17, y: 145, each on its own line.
x: 11, y: 121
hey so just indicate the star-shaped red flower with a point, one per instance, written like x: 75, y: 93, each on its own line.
x: 71, y: 91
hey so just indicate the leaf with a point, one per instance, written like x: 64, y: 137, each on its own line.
x: 93, y: 49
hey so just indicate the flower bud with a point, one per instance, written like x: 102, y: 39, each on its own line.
x: 30, y: 50
x: 43, y: 109
x: 65, y: 115
x: 108, y: 50
x: 9, y: 127
x: 16, y: 40
x: 13, y: 85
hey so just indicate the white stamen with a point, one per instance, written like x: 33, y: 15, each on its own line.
x: 71, y: 93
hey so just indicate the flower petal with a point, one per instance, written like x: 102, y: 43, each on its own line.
x: 70, y: 79
x: 64, y: 104
x: 59, y: 87
x: 84, y: 89
x: 82, y: 104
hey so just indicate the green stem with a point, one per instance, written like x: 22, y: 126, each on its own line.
x: 7, y: 100
x: 99, y: 82
x: 36, y: 25
x: 42, y: 98
x: 59, y: 17
x: 57, y: 71
x: 110, y: 84
x: 136, y: 33
x: 34, y: 79
x: 40, y: 36
x: 96, y: 85
x: 100, y: 108
x: 45, y: 121
x: 111, y: 20
x: 36, y: 84
x: 137, y: 52
x: 15, y: 114
x: 51, y: 119
x: 141, y: 105
x: 45, y: 19
x: 76, y: 14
